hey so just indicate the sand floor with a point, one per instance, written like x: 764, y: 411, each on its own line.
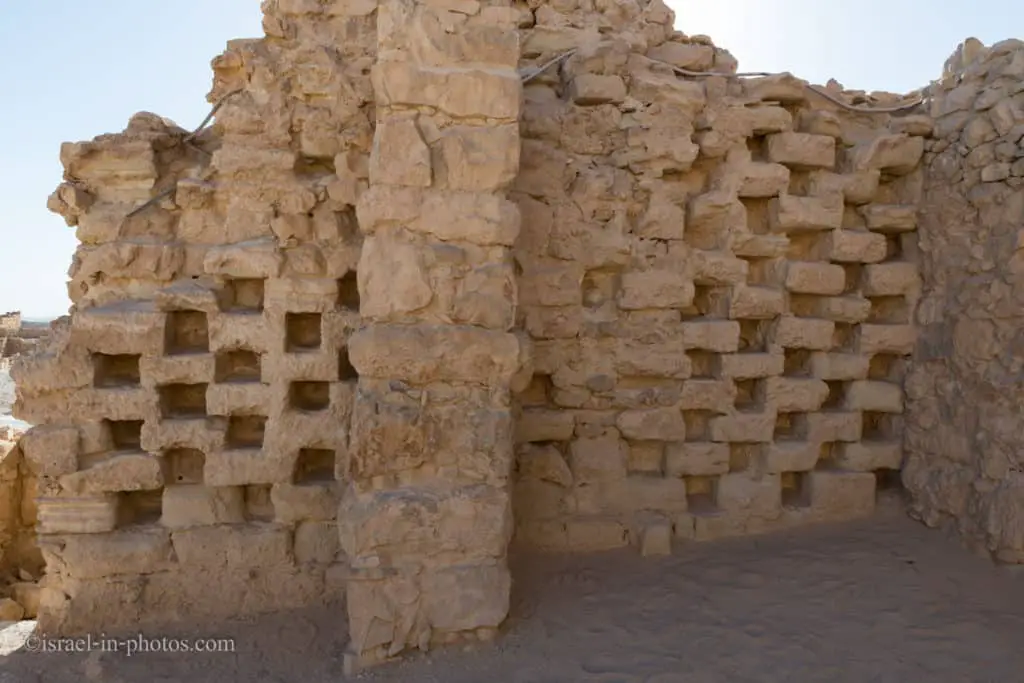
x: 881, y: 600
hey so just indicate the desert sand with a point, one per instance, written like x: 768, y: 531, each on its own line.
x: 882, y: 600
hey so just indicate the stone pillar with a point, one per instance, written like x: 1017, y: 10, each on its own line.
x: 426, y: 518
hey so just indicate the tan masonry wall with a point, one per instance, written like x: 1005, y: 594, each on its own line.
x: 397, y: 308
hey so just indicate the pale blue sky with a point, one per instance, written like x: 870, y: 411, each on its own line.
x: 71, y: 70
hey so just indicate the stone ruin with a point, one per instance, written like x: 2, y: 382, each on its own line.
x: 447, y: 274
x: 17, y: 338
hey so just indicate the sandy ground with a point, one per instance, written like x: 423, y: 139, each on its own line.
x: 875, y: 601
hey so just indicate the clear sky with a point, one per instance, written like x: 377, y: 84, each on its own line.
x: 71, y: 70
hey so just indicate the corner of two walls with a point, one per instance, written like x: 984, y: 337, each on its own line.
x: 718, y: 276
x: 965, y: 430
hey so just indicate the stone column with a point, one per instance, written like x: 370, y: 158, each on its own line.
x: 427, y: 517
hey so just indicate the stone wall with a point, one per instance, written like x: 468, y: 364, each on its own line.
x: 20, y: 559
x: 194, y: 410
x: 965, y: 461
x: 395, y: 308
x: 719, y: 277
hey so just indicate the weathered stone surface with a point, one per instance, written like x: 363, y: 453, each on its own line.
x: 375, y: 315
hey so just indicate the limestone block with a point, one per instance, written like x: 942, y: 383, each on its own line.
x: 879, y: 397
x: 664, y: 219
x: 191, y: 368
x: 741, y: 366
x: 598, y: 459
x: 544, y: 463
x: 92, y: 514
x: 539, y: 424
x: 658, y: 424
x: 187, y: 296
x: 720, y: 336
x: 693, y: 56
x: 257, y: 258
x: 820, y: 123
x: 788, y: 213
x: 120, y: 329
x: 894, y: 339
x: 399, y: 525
x: 744, y: 427
x: 708, y: 394
x: 393, y: 278
x: 845, y: 309
x: 245, y: 466
x: 715, y: 268
x: 782, y: 87
x: 483, y: 219
x: 752, y: 495
x: 837, y: 495
x: 897, y: 278
x: 655, y: 289
x: 551, y: 282
x: 113, y: 162
x: 790, y: 456
x: 234, y: 546
x: 766, y: 119
x: 716, y: 212
x: 839, y: 366
x: 696, y: 459
x: 794, y: 394
x: 28, y: 596
x: 238, y: 398
x: 392, y: 433
x: 595, y: 534
x: 563, y: 322
x: 94, y: 556
x: 463, y: 599
x: 230, y: 332
x: 424, y: 353
x: 857, y: 188
x: 808, y: 277
x: 431, y: 40
x: 118, y: 403
x: 460, y: 93
x: 764, y: 180
x: 296, y: 502
x: 187, y: 505
x: 202, y: 434
x: 759, y: 246
x: 316, y: 542
x: 534, y: 500
x: 802, y: 150
x: 656, y: 539
x: 591, y: 89
x: 834, y: 426
x: 803, y: 333
x: 632, y: 496
x: 868, y: 456
x: 665, y: 358
x: 756, y: 303
x: 51, y: 450
x: 128, y: 472
x: 477, y: 158
x: 851, y: 246
x: 894, y: 154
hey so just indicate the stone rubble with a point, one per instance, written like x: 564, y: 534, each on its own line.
x: 399, y: 308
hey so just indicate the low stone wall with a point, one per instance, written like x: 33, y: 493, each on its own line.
x: 965, y: 437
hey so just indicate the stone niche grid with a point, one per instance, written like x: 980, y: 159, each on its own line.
x: 407, y: 309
